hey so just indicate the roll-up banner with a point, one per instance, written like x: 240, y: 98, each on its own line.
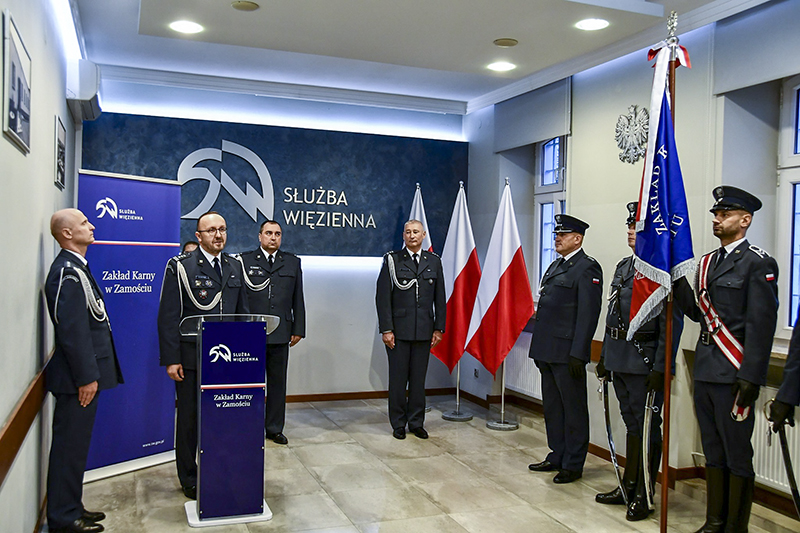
x: 137, y: 229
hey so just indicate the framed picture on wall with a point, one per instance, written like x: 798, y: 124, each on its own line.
x: 16, y: 86
x: 61, y: 154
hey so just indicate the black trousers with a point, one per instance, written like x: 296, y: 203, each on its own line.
x: 408, y: 366
x: 566, y: 416
x: 631, y: 391
x: 186, y: 429
x: 726, y: 443
x: 277, y: 366
x: 72, y: 434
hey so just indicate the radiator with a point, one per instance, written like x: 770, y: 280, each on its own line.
x: 767, y: 460
x: 521, y: 373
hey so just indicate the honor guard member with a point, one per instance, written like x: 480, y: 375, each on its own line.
x: 636, y: 367
x: 736, y: 303
x: 782, y: 409
x: 205, y: 281
x: 570, y: 295
x: 274, y: 282
x: 411, y: 306
x: 84, y: 363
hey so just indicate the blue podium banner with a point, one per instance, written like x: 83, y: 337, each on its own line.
x: 335, y: 193
x: 231, y: 419
x: 136, y: 232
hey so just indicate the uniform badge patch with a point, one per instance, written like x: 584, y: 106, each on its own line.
x: 596, y: 281
x: 770, y: 276
x: 203, y: 294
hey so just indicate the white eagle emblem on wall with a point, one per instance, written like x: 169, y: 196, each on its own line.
x: 631, y: 134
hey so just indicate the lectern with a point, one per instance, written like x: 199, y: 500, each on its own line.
x: 231, y: 374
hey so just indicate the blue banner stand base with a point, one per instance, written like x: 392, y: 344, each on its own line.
x: 195, y: 521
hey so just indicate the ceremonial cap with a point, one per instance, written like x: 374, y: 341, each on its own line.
x: 728, y: 197
x: 632, y: 207
x: 569, y: 224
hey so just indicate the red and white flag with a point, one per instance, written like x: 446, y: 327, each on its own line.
x: 504, y: 303
x: 418, y: 213
x: 462, y: 274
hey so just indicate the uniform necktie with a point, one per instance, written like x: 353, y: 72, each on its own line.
x: 270, y: 261
x: 416, y: 259
x: 720, y: 256
x: 217, y: 267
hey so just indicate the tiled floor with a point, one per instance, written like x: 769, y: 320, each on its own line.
x: 344, y: 472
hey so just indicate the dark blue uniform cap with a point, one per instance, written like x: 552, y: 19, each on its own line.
x: 632, y: 207
x: 569, y: 224
x: 728, y: 198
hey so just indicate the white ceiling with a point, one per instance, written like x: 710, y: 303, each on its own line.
x: 424, y: 54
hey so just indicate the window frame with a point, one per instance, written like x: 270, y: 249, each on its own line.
x: 542, y: 195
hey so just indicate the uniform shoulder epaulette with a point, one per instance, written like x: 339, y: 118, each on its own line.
x: 709, y: 253
x: 432, y: 253
x: 590, y: 258
x: 619, y: 263
x: 391, y: 252
x: 758, y: 251
x: 181, y: 256
x: 232, y: 256
x: 68, y: 264
x: 290, y: 254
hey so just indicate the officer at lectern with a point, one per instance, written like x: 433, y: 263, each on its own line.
x: 274, y: 282
x: 205, y: 281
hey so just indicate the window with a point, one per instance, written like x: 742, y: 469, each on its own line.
x: 788, y: 227
x: 549, y: 198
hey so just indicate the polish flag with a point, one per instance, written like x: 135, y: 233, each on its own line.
x: 462, y: 274
x: 418, y: 213
x: 504, y: 303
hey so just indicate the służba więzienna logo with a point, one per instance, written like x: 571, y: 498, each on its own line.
x: 107, y: 206
x: 220, y: 350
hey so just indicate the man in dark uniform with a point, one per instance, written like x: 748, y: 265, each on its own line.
x: 782, y: 409
x: 274, y: 282
x: 570, y: 297
x: 84, y: 363
x: 203, y: 282
x: 737, y: 308
x: 637, y: 367
x: 411, y: 306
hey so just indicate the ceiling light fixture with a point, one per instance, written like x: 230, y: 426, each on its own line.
x: 501, y: 66
x: 186, y: 26
x: 592, y: 24
x: 244, y: 5
x: 506, y: 42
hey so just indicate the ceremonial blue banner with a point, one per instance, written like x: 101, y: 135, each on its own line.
x: 335, y: 193
x: 136, y: 232
x: 232, y: 398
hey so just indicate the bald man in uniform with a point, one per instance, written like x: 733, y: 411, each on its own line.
x: 84, y: 363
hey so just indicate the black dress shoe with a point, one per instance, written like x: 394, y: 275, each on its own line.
x: 610, y: 498
x: 190, y: 492
x: 81, y: 525
x: 544, y: 466
x: 399, y: 433
x: 567, y: 476
x: 420, y: 433
x: 94, y: 516
x: 278, y: 438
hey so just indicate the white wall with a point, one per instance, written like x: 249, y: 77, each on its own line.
x: 26, y: 186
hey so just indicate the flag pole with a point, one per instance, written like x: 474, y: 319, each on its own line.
x: 672, y: 42
x: 502, y: 424
x: 457, y: 415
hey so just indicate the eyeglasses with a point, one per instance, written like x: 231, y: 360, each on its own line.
x: 212, y: 231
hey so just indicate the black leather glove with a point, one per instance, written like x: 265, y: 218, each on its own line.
x: 577, y: 367
x: 600, y: 370
x: 748, y: 392
x: 655, y: 381
x: 779, y: 413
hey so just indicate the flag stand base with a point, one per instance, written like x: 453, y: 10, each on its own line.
x: 502, y: 424
x: 457, y: 416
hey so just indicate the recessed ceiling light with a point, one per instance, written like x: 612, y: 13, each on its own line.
x: 592, y: 24
x: 244, y: 5
x: 506, y: 42
x: 186, y: 26
x: 501, y: 66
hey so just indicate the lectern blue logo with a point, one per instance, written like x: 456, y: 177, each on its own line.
x: 220, y: 350
x: 251, y: 202
x: 107, y: 206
